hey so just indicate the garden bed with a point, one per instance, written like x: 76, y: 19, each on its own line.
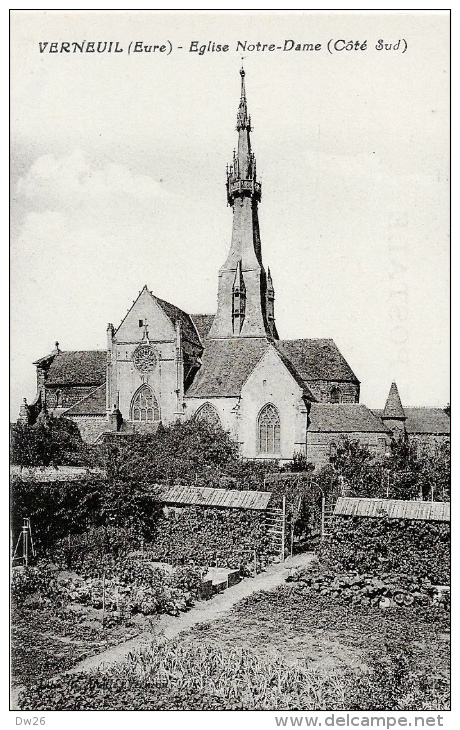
x: 291, y: 648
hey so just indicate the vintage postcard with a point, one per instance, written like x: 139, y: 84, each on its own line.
x: 230, y: 384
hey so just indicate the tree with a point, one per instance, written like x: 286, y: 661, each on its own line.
x: 189, y: 452
x: 408, y: 471
x: 51, y: 441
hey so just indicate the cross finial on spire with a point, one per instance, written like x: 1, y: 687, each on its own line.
x: 242, y: 74
x: 243, y: 121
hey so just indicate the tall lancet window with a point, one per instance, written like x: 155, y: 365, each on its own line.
x: 269, y: 430
x: 144, y: 406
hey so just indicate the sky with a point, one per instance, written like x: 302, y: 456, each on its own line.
x: 118, y: 180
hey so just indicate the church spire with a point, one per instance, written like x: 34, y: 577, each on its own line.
x: 244, y: 261
x: 243, y: 121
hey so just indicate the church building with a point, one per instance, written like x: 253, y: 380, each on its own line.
x: 275, y: 397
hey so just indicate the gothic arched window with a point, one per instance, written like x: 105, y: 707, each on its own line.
x: 208, y: 413
x: 332, y: 450
x: 269, y: 430
x: 336, y: 395
x: 144, y: 406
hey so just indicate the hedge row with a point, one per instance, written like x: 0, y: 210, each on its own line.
x: 383, y: 545
x: 209, y: 536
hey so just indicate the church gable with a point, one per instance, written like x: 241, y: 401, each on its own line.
x: 274, y: 410
x: 146, y: 314
x: 271, y: 375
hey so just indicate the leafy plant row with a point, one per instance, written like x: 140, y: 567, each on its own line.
x: 194, y: 676
x: 128, y: 587
x: 366, y: 589
x: 209, y: 676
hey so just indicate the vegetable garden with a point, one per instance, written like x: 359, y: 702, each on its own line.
x: 366, y: 628
x: 288, y: 649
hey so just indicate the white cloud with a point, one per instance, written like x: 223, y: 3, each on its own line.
x: 78, y: 186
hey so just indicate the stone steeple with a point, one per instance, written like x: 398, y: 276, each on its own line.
x: 393, y: 414
x: 245, y: 297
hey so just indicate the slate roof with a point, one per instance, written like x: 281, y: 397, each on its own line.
x: 213, y: 497
x: 93, y: 404
x: 46, y: 358
x: 344, y: 418
x: 81, y: 367
x: 174, y: 313
x: 394, y: 508
x: 299, y: 380
x: 393, y: 406
x: 318, y: 359
x: 226, y: 364
x: 203, y: 323
x: 423, y: 420
x: 427, y: 420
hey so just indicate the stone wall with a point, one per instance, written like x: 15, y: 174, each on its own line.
x: 91, y: 426
x: 321, y: 389
x: 320, y: 445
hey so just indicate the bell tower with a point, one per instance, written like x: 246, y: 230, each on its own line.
x: 245, y: 300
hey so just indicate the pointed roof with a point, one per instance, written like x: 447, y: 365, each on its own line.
x: 238, y: 282
x: 270, y: 282
x: 243, y: 121
x: 316, y: 359
x: 226, y: 364
x: 173, y: 313
x: 393, y: 406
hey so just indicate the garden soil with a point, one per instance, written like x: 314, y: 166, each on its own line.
x: 169, y: 627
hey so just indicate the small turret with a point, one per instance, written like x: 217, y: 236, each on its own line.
x: 270, y: 306
x: 393, y: 414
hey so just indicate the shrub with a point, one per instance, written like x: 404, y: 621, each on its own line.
x: 207, y: 536
x: 417, y: 547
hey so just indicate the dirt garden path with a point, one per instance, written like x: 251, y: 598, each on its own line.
x: 170, y: 626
